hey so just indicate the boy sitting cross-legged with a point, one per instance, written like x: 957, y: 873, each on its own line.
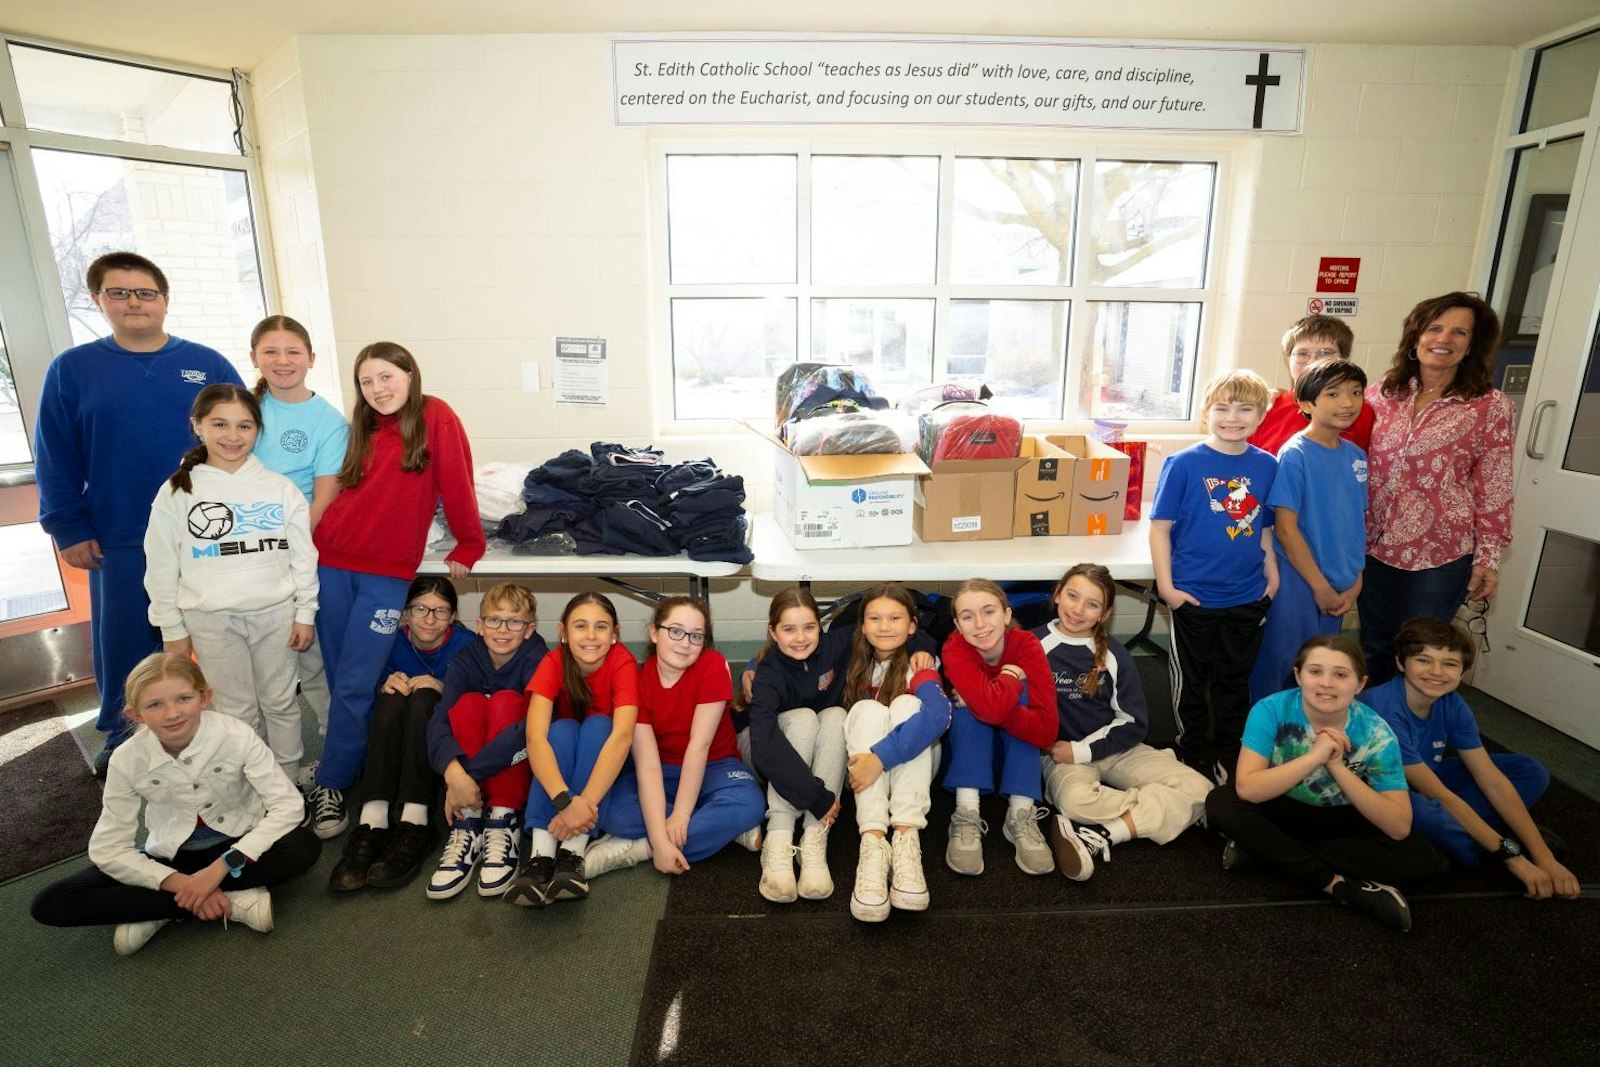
x: 477, y: 739
x: 1472, y: 804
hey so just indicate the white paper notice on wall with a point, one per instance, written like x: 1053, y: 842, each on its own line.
x: 733, y: 80
x: 581, y: 377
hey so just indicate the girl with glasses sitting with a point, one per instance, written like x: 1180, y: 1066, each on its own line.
x: 396, y: 775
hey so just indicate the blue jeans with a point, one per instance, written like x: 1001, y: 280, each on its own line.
x: 729, y: 803
x: 983, y: 757
x: 1430, y: 819
x: 1390, y: 596
x: 357, y: 617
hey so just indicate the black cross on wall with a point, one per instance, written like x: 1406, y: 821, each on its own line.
x: 1261, y: 80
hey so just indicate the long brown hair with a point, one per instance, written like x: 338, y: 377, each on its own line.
x: 1101, y: 577
x: 793, y: 597
x: 364, y: 420
x: 210, y: 397
x: 266, y: 326
x: 863, y: 657
x: 1475, y: 372
x: 574, y: 686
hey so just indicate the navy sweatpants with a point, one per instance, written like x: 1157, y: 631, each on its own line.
x: 357, y: 617
x: 119, y: 626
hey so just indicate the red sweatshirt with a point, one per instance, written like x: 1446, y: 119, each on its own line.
x: 996, y: 698
x: 381, y: 526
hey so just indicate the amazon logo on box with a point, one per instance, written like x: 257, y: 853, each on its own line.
x: 1069, y: 485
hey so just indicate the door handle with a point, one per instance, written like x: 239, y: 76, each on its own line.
x: 1533, y: 431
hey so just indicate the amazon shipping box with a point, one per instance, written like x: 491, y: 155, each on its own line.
x: 1044, y: 490
x: 1098, y: 487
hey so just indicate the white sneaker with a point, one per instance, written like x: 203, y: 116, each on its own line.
x: 1022, y: 830
x: 325, y: 809
x: 777, y: 869
x: 1072, y: 858
x: 252, y: 908
x: 908, y: 889
x: 816, y: 883
x: 751, y: 839
x: 462, y: 851
x: 964, y: 853
x: 131, y: 937
x: 612, y: 853
x: 499, y: 855
x: 870, y: 901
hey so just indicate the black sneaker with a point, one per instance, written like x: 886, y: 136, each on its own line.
x: 530, y: 886
x: 360, y: 853
x: 409, y: 845
x: 1233, y: 857
x: 1381, y: 903
x: 568, y: 882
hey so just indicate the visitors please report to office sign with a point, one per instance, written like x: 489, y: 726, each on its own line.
x: 947, y: 81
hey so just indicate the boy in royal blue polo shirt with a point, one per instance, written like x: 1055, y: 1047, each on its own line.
x: 1211, y: 548
x: 1473, y: 804
x: 113, y: 424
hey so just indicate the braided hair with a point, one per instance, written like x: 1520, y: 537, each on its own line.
x: 1102, y: 580
x: 211, y: 397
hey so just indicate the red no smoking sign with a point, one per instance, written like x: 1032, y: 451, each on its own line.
x: 1337, y: 274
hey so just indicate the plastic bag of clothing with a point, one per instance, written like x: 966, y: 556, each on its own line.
x: 929, y: 397
x: 821, y: 386
x: 859, y: 433
x: 967, y: 431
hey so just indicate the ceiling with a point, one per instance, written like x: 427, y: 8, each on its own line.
x: 234, y: 33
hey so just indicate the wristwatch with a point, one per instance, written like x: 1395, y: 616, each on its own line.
x: 561, y: 800
x: 235, y: 861
x: 1509, y: 849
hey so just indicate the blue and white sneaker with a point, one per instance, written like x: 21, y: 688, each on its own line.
x: 499, y: 855
x: 462, y: 851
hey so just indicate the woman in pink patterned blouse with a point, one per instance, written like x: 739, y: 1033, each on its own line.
x: 1439, y: 488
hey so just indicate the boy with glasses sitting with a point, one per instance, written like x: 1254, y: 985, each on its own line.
x: 477, y: 739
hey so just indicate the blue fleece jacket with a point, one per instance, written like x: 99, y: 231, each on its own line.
x: 410, y: 660
x: 112, y: 426
x: 472, y: 671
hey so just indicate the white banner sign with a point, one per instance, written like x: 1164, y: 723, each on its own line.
x: 946, y: 81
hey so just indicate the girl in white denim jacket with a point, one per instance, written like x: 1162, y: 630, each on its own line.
x: 223, y: 819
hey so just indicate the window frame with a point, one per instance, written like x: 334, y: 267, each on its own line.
x: 30, y: 367
x: 1218, y: 314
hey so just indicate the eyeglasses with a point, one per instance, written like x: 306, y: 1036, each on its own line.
x: 1306, y: 355
x: 678, y: 633
x: 1478, y: 623
x: 495, y: 622
x: 117, y: 293
x: 419, y: 612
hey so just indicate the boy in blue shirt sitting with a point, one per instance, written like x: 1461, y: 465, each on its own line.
x: 1465, y: 804
x: 1215, y: 569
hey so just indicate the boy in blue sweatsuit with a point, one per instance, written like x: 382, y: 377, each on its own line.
x: 113, y: 424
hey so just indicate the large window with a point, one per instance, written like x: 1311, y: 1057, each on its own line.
x: 1073, y: 287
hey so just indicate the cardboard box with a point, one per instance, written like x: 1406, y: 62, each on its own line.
x: 845, y: 501
x: 967, y: 500
x: 1099, y: 486
x: 1044, y: 490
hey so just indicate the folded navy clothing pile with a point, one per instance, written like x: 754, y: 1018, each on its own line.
x: 614, y: 500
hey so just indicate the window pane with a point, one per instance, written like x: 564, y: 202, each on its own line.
x: 726, y: 354
x: 1535, y: 215
x: 30, y: 577
x: 890, y: 341
x: 1150, y: 224
x: 874, y: 219
x: 1141, y: 364
x: 1563, y: 604
x: 731, y: 218
x: 193, y: 222
x: 1017, y: 347
x: 98, y: 98
x: 1564, y: 82
x: 13, y: 438
x: 1013, y: 221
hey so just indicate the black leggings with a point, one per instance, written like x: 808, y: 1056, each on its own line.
x: 1312, y: 844
x: 93, y: 898
x: 397, y: 767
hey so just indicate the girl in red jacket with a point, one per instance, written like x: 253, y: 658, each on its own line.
x: 407, y: 452
x: 1004, y: 714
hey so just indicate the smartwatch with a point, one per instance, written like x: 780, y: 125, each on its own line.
x: 235, y: 861
x: 561, y: 800
x: 1509, y: 849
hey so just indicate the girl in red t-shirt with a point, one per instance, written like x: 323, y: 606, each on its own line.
x: 584, y: 699
x: 690, y: 794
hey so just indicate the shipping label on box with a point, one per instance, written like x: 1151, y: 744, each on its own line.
x: 1044, y: 490
x: 845, y: 501
x: 967, y: 500
x: 1099, y: 485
